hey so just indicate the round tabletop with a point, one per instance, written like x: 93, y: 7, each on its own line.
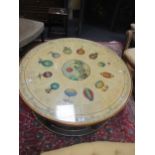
x: 74, y: 81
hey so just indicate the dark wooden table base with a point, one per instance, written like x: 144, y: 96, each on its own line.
x: 66, y: 130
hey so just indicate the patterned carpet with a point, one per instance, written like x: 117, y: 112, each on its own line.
x: 35, y: 138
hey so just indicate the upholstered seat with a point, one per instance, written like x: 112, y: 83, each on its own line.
x: 29, y: 30
x: 96, y: 148
x: 128, y: 53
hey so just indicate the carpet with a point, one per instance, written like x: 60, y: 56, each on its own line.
x: 35, y: 138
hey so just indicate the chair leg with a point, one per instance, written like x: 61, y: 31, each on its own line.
x: 81, y: 17
x: 66, y: 25
x: 42, y: 36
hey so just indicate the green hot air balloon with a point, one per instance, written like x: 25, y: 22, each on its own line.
x: 88, y: 93
x: 67, y: 50
x: 46, y: 63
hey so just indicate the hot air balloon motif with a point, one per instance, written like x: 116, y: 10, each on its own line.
x: 53, y: 86
x: 107, y: 75
x: 93, y: 55
x: 67, y: 50
x: 101, y: 64
x: 88, y: 93
x: 45, y: 74
x: 55, y: 54
x: 70, y: 92
x: 80, y: 51
x: 69, y: 69
x: 99, y: 84
x: 46, y: 63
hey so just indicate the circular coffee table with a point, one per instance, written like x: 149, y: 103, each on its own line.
x: 74, y: 83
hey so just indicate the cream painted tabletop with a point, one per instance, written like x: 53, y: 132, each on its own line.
x: 74, y: 81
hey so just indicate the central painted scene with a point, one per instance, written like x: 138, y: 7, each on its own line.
x: 76, y: 70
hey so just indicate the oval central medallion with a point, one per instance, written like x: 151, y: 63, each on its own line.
x: 76, y: 70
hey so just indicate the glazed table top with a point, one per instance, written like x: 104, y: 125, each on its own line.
x: 74, y: 81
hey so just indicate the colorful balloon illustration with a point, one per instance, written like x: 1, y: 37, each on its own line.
x: 55, y: 54
x: 46, y: 74
x: 69, y: 69
x: 93, y: 55
x: 99, y: 84
x: 67, y: 50
x: 53, y: 86
x: 107, y: 75
x: 101, y: 64
x: 88, y: 93
x: 46, y: 63
x: 70, y: 92
x: 80, y: 51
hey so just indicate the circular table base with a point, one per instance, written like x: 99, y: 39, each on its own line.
x: 66, y: 130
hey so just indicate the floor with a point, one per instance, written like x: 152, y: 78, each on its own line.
x: 94, y: 32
